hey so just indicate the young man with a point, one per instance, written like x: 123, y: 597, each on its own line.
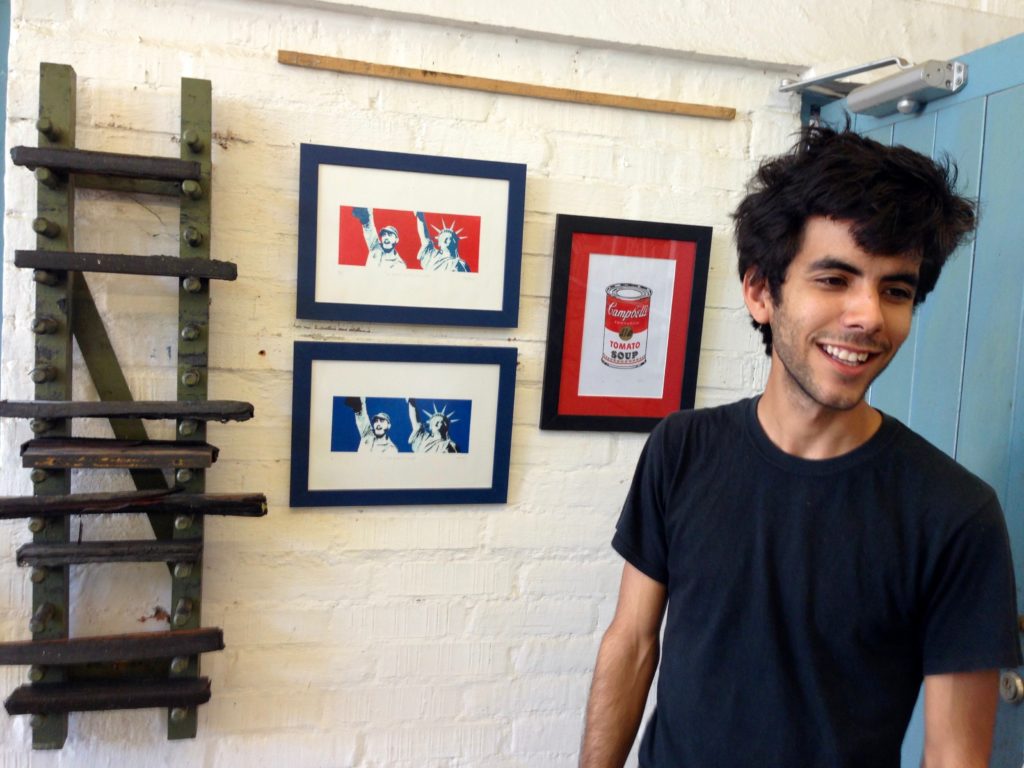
x: 812, y: 558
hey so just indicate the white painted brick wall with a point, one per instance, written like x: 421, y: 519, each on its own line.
x: 399, y: 637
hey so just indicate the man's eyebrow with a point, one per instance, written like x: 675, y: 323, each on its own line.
x: 830, y: 262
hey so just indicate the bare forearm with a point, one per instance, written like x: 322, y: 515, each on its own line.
x: 959, y: 715
x: 622, y: 679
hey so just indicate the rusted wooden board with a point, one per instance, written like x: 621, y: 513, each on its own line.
x: 126, y: 264
x: 89, y: 697
x: 125, y: 551
x: 105, y: 163
x: 204, y: 410
x: 112, y: 648
x: 134, y: 502
x: 98, y: 453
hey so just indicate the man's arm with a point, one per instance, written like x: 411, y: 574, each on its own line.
x: 959, y: 716
x: 365, y: 217
x: 625, y: 667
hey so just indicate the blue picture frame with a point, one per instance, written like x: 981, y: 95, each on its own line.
x: 339, y: 387
x: 342, y: 279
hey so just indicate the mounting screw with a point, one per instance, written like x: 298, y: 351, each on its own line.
x: 37, y: 476
x: 188, y: 427
x: 182, y: 570
x: 183, y: 522
x: 36, y: 673
x: 46, y: 127
x: 37, y: 524
x: 192, y: 236
x: 43, y: 277
x: 41, y: 617
x: 183, y: 476
x: 190, y: 332
x: 47, y: 178
x: 192, y: 189
x: 45, y: 227
x: 178, y: 714
x: 179, y: 664
x: 39, y: 574
x: 192, y: 284
x: 36, y: 721
x: 42, y: 326
x: 192, y: 139
x: 182, y: 612
x: 43, y: 374
x: 38, y: 426
x: 191, y: 377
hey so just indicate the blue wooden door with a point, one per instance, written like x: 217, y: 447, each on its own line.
x: 959, y: 379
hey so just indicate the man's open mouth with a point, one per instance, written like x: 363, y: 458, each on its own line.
x: 845, y: 356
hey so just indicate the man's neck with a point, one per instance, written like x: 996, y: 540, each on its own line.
x: 808, y: 430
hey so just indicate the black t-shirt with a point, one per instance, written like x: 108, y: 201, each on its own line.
x: 806, y: 599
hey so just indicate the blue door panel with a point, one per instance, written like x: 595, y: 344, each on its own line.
x: 941, y: 322
x: 990, y: 367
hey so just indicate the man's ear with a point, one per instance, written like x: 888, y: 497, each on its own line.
x: 757, y: 296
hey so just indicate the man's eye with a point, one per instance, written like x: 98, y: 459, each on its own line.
x: 900, y: 294
x: 832, y: 281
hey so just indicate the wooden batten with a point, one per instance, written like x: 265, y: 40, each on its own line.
x: 106, y: 163
x: 98, y: 453
x: 126, y: 264
x: 135, y: 502
x: 126, y: 551
x: 113, y: 648
x: 56, y: 698
x: 201, y: 410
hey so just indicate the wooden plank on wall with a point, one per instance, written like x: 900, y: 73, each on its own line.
x: 507, y: 87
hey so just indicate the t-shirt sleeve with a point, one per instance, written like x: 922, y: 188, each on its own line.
x: 970, y: 623
x: 640, y: 533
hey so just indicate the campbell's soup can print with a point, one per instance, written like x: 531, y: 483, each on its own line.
x: 626, y: 318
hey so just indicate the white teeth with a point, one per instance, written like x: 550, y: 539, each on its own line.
x: 846, y: 355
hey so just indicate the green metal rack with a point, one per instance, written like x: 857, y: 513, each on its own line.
x: 155, y: 669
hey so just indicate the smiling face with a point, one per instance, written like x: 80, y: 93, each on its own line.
x: 842, y: 315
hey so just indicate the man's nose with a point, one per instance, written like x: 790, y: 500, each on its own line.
x: 864, y: 310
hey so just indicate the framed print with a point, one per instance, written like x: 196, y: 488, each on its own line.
x: 398, y: 238
x: 400, y: 424
x: 627, y: 305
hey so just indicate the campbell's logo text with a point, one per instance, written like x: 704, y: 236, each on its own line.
x: 634, y: 312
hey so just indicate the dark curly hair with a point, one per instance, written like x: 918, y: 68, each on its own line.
x: 898, y: 202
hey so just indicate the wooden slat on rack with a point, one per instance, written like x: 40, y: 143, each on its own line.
x: 126, y: 551
x: 200, y: 410
x: 97, y: 453
x: 105, y: 163
x: 135, y: 694
x: 126, y: 264
x: 112, y: 648
x: 134, y: 502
